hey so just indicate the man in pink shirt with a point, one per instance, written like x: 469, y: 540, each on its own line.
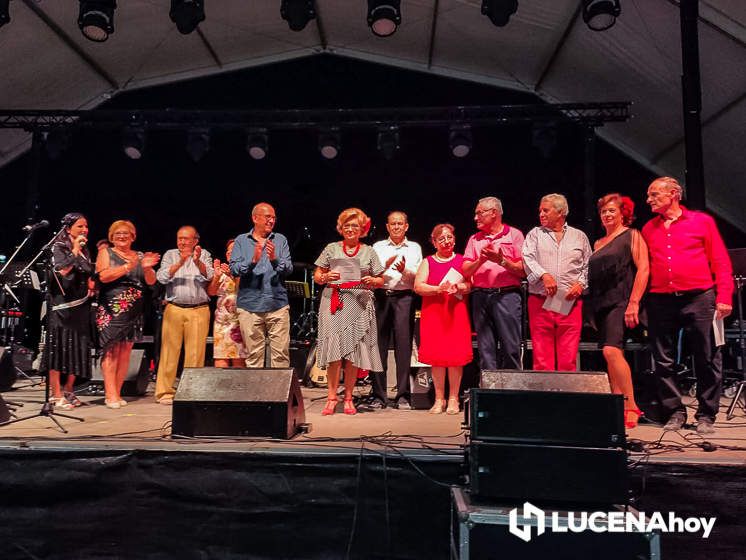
x: 691, y: 281
x: 493, y: 261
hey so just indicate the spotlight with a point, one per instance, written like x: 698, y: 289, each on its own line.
x: 499, y: 11
x: 384, y: 16
x: 257, y: 144
x: 600, y: 15
x: 4, y: 12
x: 56, y: 142
x: 330, y: 143
x: 198, y: 143
x: 187, y: 14
x: 96, y: 19
x: 297, y: 13
x: 388, y: 141
x: 459, y: 139
x: 133, y: 142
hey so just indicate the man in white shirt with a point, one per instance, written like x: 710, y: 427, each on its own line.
x: 555, y: 258
x: 395, y: 307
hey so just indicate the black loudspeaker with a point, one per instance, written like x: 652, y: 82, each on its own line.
x: 238, y: 402
x: 540, y: 473
x: 552, y: 418
x: 528, y: 380
x: 302, y: 356
x: 138, y: 376
x: 421, y: 390
x: 8, y: 373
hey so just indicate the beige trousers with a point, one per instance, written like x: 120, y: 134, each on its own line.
x: 188, y: 326
x: 274, y: 326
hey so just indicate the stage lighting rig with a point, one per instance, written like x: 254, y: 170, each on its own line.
x: 198, y: 143
x: 600, y: 15
x: 459, y: 139
x: 96, y: 19
x: 297, y: 13
x: 187, y: 14
x: 384, y: 16
x: 499, y: 11
x: 133, y: 142
x: 4, y: 12
x: 257, y: 144
x: 388, y: 141
x: 330, y: 143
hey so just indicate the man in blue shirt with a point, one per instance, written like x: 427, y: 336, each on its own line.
x: 261, y: 259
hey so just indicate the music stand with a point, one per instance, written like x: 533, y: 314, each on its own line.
x: 47, y: 408
x: 738, y: 261
x: 297, y: 289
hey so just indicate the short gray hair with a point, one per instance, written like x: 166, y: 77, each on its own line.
x: 558, y: 201
x: 492, y: 202
x: 671, y: 184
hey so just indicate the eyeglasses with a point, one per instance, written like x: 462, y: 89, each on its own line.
x: 351, y: 226
x: 121, y: 234
x: 445, y: 238
x: 480, y: 212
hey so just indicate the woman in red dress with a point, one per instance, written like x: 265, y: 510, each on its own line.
x: 445, y: 331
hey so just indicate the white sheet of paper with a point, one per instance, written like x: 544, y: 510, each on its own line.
x: 558, y: 303
x: 454, y: 277
x: 718, y: 327
x: 349, y: 270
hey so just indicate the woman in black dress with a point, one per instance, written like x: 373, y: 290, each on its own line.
x: 123, y: 274
x: 68, y: 349
x: 617, y: 277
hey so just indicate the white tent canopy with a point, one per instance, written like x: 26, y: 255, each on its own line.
x: 546, y: 49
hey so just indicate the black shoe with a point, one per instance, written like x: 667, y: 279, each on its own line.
x: 705, y: 426
x: 375, y: 404
x: 403, y: 404
x: 676, y: 422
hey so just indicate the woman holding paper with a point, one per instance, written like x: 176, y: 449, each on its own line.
x: 617, y: 277
x: 445, y: 331
x: 347, y: 334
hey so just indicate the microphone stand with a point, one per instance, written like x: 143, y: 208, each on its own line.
x: 47, y: 409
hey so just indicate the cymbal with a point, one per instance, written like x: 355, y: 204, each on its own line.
x: 302, y: 266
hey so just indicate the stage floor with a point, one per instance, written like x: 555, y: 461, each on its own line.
x: 145, y: 424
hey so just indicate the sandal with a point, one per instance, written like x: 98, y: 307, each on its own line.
x: 438, y: 407
x: 73, y: 399
x: 62, y: 403
x: 330, y: 407
x: 349, y: 407
x: 453, y: 406
x: 632, y: 417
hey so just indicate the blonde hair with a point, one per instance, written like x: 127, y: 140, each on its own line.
x: 120, y: 224
x: 558, y: 201
x: 354, y: 214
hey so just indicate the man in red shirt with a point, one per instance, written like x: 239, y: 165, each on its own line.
x: 691, y: 282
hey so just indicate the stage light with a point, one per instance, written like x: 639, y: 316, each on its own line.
x: 187, y: 14
x: 600, y: 15
x: 459, y: 139
x: 198, y: 143
x: 297, y: 13
x: 257, y: 144
x: 499, y: 11
x: 388, y: 141
x: 96, y: 19
x: 330, y: 143
x: 4, y: 12
x: 133, y: 142
x: 384, y: 16
x: 56, y: 142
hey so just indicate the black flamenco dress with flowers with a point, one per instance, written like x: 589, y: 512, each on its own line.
x: 119, y: 316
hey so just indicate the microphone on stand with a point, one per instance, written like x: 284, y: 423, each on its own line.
x: 37, y: 225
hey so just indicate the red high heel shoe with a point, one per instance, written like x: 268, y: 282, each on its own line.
x: 330, y: 407
x: 349, y: 407
x: 632, y: 417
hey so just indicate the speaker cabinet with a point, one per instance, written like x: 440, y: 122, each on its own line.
x: 138, y: 376
x: 421, y: 390
x: 528, y: 380
x: 238, y: 402
x: 552, y: 418
x: 541, y: 473
x: 8, y: 374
